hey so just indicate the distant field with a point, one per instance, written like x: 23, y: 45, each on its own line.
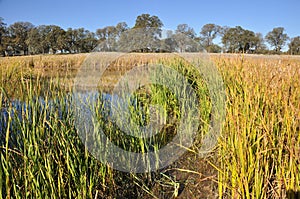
x: 257, y: 155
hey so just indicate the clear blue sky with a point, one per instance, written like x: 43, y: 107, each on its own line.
x: 256, y: 15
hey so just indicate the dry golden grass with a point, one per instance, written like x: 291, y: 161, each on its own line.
x: 260, y: 147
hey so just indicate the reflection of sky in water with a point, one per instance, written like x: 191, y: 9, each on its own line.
x: 20, y: 110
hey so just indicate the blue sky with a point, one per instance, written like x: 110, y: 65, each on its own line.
x: 258, y: 16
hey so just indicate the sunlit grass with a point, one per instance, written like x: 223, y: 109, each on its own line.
x: 259, y: 149
x: 257, y: 156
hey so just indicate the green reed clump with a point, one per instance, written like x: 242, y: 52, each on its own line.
x: 162, y: 102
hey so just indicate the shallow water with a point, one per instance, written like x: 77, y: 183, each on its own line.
x: 16, y: 112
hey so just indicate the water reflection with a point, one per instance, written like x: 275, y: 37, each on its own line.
x: 16, y: 112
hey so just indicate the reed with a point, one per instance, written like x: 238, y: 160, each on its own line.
x: 257, y: 155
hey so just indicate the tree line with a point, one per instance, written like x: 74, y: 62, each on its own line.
x: 23, y: 38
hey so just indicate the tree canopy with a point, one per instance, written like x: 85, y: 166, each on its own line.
x: 22, y: 38
x: 238, y: 39
x: 294, y: 46
x: 3, y: 41
x: 208, y: 33
x: 277, y: 38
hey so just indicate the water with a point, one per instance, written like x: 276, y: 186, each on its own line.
x: 40, y: 108
x: 76, y: 107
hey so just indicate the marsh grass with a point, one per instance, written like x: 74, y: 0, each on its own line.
x: 41, y: 153
x: 259, y: 149
x: 257, y: 156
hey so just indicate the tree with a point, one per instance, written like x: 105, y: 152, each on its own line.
x: 294, y: 46
x: 169, y: 43
x: 54, y: 38
x: 79, y: 36
x: 146, y: 21
x: 214, y: 48
x: 208, y: 33
x: 231, y: 39
x: 277, y: 38
x: 186, y: 30
x: 248, y: 41
x: 180, y: 41
x: 3, y: 37
x: 239, y: 40
x: 137, y: 39
x: 259, y: 45
x: 46, y: 38
x: 120, y: 28
x: 149, y: 25
x: 19, y: 33
x: 145, y: 35
x: 107, y: 37
x: 89, y: 41
x: 34, y: 41
x: 184, y: 39
x: 106, y: 32
x: 70, y: 40
x: 61, y: 42
x: 75, y: 40
x: 223, y: 30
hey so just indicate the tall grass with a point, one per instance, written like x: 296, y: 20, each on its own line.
x: 43, y: 157
x: 259, y: 149
x: 257, y: 156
